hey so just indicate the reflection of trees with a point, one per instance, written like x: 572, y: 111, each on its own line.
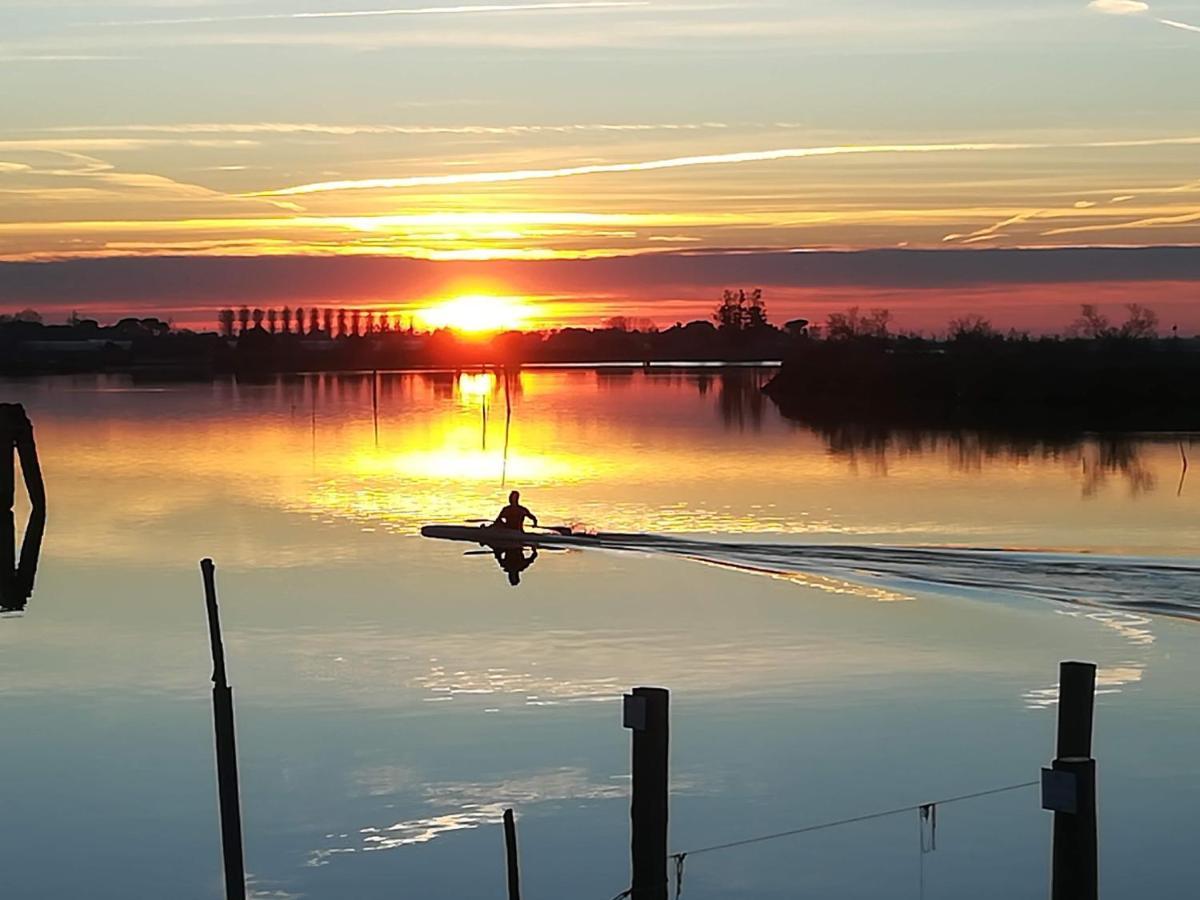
x: 1100, y: 458
x: 740, y: 398
x: 1115, y: 456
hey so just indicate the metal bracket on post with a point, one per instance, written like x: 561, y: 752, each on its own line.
x: 634, y: 712
x: 1060, y: 791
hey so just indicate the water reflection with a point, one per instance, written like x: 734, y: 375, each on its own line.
x: 659, y: 451
x: 1100, y: 458
x: 18, y: 573
x: 515, y: 560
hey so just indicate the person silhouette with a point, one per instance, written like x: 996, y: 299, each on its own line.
x: 514, y: 515
x: 514, y: 561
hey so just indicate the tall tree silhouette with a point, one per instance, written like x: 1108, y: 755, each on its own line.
x: 226, y: 319
x: 285, y: 315
x: 243, y: 319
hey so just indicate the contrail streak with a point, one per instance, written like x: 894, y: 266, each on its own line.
x: 648, y: 166
x: 411, y: 11
x: 680, y: 162
x: 1184, y: 25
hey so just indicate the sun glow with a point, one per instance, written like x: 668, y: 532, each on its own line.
x: 477, y: 314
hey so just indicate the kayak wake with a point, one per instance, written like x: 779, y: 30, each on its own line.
x: 1129, y: 584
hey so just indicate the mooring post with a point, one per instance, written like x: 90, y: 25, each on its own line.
x: 16, y: 439
x: 510, y: 851
x: 8, y: 445
x: 1069, y: 787
x: 27, y: 452
x: 227, y: 775
x: 647, y: 714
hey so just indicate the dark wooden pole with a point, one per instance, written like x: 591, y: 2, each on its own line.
x: 16, y: 438
x: 647, y: 713
x: 227, y: 775
x: 510, y: 849
x: 8, y: 443
x: 1075, y: 874
x: 30, y: 467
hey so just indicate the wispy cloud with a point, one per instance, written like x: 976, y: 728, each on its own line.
x: 471, y: 9
x: 1136, y: 8
x: 1119, y: 7
x: 285, y: 128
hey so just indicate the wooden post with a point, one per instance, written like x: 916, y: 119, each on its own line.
x: 16, y: 437
x: 8, y: 443
x: 30, y: 467
x: 510, y: 849
x: 227, y: 775
x: 1069, y: 788
x: 647, y: 713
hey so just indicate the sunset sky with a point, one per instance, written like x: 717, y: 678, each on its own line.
x: 501, y: 148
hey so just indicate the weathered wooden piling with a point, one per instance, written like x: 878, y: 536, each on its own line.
x: 647, y: 714
x: 511, y: 858
x: 1069, y: 788
x: 16, y: 440
x: 226, y: 742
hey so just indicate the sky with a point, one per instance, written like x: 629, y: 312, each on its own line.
x: 602, y: 157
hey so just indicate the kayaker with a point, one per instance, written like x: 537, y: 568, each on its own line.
x: 514, y: 515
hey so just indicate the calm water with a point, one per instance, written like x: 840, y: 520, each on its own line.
x: 395, y: 694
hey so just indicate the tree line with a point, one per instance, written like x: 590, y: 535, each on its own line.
x: 328, y: 321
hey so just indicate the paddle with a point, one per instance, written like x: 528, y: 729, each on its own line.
x: 564, y: 530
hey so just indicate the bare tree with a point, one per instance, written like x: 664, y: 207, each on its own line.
x: 853, y: 324
x: 243, y: 319
x: 1091, y: 324
x: 272, y: 320
x: 285, y: 315
x: 225, y: 319
x: 1141, y: 324
x: 972, y: 327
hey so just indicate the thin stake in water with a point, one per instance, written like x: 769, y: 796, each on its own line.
x: 227, y: 774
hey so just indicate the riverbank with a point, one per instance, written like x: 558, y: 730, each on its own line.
x: 1048, y: 385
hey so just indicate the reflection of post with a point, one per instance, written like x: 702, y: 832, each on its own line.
x: 647, y: 714
x: 17, y: 576
x: 8, y: 562
x: 1069, y: 787
x: 507, y: 426
x: 375, y: 403
x: 227, y: 775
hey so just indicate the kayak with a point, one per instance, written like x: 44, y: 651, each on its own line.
x: 493, y: 536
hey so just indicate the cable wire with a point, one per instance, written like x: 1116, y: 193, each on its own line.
x: 852, y: 820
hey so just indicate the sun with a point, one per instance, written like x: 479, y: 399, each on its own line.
x: 477, y: 313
